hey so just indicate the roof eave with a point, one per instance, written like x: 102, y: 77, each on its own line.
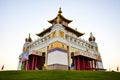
x: 43, y: 32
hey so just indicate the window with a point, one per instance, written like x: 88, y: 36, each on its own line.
x: 53, y: 34
x: 61, y: 34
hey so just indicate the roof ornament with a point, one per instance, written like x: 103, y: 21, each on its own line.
x: 91, y: 38
x: 58, y: 20
x: 60, y: 11
x: 29, y: 38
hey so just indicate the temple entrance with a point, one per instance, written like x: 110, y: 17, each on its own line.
x: 36, y: 62
x: 82, y: 63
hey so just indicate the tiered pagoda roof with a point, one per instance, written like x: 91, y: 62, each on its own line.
x: 60, y: 19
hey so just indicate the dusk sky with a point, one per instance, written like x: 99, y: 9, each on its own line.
x: 18, y: 18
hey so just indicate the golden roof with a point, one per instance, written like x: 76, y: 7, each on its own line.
x: 59, y: 18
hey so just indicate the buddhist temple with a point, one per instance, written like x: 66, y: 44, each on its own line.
x: 60, y: 47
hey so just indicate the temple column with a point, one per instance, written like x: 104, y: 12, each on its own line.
x: 92, y: 65
x: 28, y: 67
x: 36, y: 63
x: 75, y: 63
x: 69, y: 57
x: 95, y: 64
x: 78, y: 63
x: 83, y: 64
x: 33, y: 63
x: 88, y: 64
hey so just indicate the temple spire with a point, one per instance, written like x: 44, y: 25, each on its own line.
x: 60, y: 11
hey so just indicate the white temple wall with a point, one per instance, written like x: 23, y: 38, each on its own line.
x: 57, y: 57
x: 99, y: 64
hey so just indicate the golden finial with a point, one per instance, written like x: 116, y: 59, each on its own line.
x: 60, y: 11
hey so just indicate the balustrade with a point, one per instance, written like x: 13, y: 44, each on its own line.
x: 39, y: 41
x: 78, y: 42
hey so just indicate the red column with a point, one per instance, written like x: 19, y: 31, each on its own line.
x: 88, y: 64
x: 33, y: 63
x: 78, y: 63
x: 28, y: 65
x: 93, y: 64
x: 36, y: 63
x: 83, y: 64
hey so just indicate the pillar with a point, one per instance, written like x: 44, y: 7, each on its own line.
x: 88, y: 64
x: 78, y: 63
x: 91, y: 65
x: 69, y: 57
x: 28, y: 67
x: 74, y: 63
x: 95, y: 64
x: 83, y: 64
x: 33, y: 63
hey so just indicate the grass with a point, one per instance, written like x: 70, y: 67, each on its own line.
x: 59, y: 75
